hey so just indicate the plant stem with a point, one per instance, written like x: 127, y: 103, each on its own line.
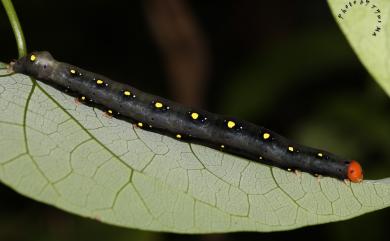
x: 17, y: 29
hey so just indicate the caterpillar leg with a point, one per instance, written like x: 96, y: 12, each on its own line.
x: 80, y: 100
x: 297, y: 173
x: 108, y: 114
x: 8, y: 70
x: 319, y: 177
x: 77, y: 101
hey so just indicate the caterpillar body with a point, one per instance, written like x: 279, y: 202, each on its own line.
x: 155, y: 113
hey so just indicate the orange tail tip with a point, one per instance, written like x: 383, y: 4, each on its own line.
x: 355, y: 172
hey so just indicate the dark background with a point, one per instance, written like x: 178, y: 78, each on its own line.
x: 281, y: 64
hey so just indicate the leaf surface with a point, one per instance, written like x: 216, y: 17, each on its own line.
x: 73, y: 157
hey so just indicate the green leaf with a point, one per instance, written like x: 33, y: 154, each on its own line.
x: 365, y: 24
x: 73, y: 157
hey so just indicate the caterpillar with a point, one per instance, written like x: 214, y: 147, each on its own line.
x: 194, y: 125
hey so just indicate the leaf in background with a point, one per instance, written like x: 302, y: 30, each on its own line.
x: 74, y: 158
x: 365, y: 24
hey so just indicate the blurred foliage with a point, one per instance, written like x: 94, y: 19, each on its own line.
x: 281, y: 64
x: 287, y: 67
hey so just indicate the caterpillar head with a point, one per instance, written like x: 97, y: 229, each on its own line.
x: 355, y: 172
x: 37, y: 64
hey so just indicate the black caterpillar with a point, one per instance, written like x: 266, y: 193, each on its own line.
x: 157, y: 114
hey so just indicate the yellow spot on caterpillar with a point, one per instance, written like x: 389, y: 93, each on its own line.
x: 109, y: 112
x: 266, y: 136
x: 72, y: 71
x: 194, y: 115
x: 127, y: 93
x: 289, y: 169
x: 222, y: 146
x: 140, y: 124
x: 231, y: 124
x: 178, y: 136
x: 320, y: 154
x: 33, y: 58
x: 99, y: 82
x: 260, y: 157
x: 82, y: 98
x: 290, y: 148
x: 158, y: 105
